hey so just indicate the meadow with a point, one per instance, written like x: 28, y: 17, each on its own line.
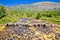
x: 8, y: 15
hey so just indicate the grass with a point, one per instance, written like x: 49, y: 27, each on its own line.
x: 51, y: 16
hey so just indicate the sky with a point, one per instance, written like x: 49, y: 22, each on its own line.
x: 18, y: 2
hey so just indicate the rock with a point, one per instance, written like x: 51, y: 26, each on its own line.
x: 6, y: 25
x: 38, y: 25
x: 59, y: 26
x: 35, y: 30
x: 48, y: 24
x: 34, y: 25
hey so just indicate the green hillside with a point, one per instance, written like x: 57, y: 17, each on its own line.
x: 9, y: 15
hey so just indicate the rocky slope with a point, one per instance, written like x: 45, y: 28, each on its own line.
x: 33, y: 30
x: 38, y: 6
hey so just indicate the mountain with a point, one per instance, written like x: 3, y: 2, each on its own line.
x: 47, y: 5
x: 38, y: 6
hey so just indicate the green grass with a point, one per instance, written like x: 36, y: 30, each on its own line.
x: 14, y: 15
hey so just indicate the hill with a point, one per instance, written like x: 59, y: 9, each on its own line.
x: 38, y: 6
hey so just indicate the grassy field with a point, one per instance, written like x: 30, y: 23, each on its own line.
x: 52, y: 16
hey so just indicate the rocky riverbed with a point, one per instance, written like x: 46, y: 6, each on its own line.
x: 28, y: 29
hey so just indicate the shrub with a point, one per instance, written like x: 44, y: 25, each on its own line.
x: 2, y: 11
x: 38, y: 16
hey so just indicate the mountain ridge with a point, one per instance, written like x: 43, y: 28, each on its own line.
x: 38, y: 6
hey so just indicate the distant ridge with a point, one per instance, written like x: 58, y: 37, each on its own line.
x: 46, y: 2
x: 38, y: 6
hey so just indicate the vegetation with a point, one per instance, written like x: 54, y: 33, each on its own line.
x: 9, y: 15
x: 2, y: 11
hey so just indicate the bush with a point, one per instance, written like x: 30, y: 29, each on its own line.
x: 2, y: 11
x: 38, y: 16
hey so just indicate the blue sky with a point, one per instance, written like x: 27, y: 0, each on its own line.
x: 17, y: 2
